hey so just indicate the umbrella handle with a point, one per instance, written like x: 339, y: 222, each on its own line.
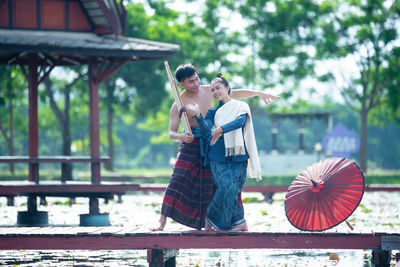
x: 349, y: 225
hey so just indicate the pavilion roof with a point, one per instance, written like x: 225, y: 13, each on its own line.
x: 105, y: 15
x: 61, y: 48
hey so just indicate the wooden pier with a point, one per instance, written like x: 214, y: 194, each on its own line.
x: 106, y: 190
x: 162, y: 247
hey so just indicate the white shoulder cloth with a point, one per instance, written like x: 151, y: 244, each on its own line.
x: 234, y: 144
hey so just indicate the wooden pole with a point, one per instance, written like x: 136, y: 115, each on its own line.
x: 94, y: 121
x: 178, y: 100
x: 33, y: 116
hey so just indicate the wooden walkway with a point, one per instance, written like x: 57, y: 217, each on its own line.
x: 68, y: 189
x: 79, y: 188
x: 276, y: 189
x: 116, y: 238
x: 160, y: 244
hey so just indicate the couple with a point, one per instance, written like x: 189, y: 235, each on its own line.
x: 191, y: 189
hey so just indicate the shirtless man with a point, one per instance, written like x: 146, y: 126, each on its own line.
x: 191, y: 187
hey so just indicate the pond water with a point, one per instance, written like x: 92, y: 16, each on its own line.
x: 377, y: 212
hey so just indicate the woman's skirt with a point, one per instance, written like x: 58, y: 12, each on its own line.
x: 225, y: 211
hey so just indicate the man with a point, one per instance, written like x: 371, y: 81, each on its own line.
x: 191, y: 187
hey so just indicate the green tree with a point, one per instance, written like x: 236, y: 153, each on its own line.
x: 62, y: 113
x: 138, y: 87
x: 12, y: 86
x: 297, y: 34
x: 368, y: 33
x: 142, y: 84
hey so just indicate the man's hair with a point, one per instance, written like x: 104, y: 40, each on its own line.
x: 184, y: 71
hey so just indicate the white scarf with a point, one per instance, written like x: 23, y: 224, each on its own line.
x: 234, y: 144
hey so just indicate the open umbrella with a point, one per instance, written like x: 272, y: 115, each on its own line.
x: 324, y: 194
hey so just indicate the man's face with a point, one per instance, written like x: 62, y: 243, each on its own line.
x: 192, y: 83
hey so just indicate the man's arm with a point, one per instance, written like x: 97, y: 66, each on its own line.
x: 174, y: 121
x: 246, y: 93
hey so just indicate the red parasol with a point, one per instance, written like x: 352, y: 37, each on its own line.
x: 324, y: 194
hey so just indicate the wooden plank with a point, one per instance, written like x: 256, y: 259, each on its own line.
x: 22, y: 188
x: 21, y: 230
x: 6, y: 230
x: 65, y: 189
x: 269, y: 189
x: 116, y: 230
x: 152, y: 187
x: 52, y: 159
x: 178, y: 100
x: 87, y: 230
x: 51, y: 230
x: 96, y: 230
x: 382, y: 187
x: 391, y: 242
x: 70, y: 231
x: 197, y: 240
x: 274, y: 189
x: 41, y: 230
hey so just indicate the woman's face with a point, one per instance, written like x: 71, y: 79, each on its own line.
x: 220, y: 91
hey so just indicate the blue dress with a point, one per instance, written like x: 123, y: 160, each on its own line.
x: 229, y: 175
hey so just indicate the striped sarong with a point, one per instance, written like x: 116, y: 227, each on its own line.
x: 191, y: 188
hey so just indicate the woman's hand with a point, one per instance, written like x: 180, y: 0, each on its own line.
x: 267, y: 98
x: 193, y: 109
x: 216, y: 134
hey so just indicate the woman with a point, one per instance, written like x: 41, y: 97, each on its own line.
x: 230, y: 157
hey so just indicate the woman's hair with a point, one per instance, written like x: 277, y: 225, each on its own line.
x: 220, y: 78
x: 185, y: 71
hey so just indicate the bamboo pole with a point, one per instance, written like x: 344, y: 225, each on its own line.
x: 178, y: 100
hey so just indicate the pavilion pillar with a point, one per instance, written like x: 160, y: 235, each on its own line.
x: 94, y: 217
x: 94, y: 120
x: 33, y: 116
x: 33, y: 217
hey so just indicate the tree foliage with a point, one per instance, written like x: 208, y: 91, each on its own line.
x: 279, y: 44
x: 297, y: 34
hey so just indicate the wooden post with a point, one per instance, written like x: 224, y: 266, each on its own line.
x: 301, y: 135
x: 10, y: 200
x: 94, y: 131
x: 93, y: 205
x: 162, y: 257
x: 94, y: 120
x: 274, y: 132
x: 33, y: 116
x: 33, y: 143
x: 381, y: 258
x: 32, y: 204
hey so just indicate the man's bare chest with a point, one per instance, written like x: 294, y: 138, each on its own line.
x: 205, y: 103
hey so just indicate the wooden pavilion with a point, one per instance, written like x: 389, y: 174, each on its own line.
x: 300, y: 118
x: 43, y: 34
